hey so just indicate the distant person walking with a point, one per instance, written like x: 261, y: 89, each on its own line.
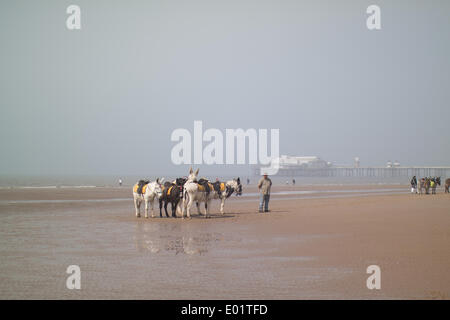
x: 264, y: 186
x: 293, y: 182
x: 120, y: 182
x: 248, y: 181
x: 414, y: 184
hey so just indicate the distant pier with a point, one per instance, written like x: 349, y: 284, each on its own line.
x: 361, y: 172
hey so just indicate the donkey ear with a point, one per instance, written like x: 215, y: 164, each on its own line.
x: 157, y: 180
x: 196, y: 171
x: 162, y: 180
x: 190, y: 170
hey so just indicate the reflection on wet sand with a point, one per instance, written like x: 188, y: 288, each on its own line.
x: 177, y: 238
x: 305, y: 248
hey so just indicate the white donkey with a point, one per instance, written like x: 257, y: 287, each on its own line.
x: 150, y: 192
x: 193, y: 193
x: 223, y: 190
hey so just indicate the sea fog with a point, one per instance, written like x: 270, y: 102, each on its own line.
x: 91, y: 181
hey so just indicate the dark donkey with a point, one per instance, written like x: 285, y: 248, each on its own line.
x: 173, y: 193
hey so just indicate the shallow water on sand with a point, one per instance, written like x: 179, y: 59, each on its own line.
x: 241, y: 255
x: 124, y: 257
x: 304, y: 194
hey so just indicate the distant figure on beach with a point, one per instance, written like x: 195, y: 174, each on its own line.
x: 414, y: 184
x: 264, y: 186
x: 120, y: 182
x: 420, y: 185
x: 293, y: 182
x: 248, y: 181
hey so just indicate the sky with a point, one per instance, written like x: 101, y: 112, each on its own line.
x: 105, y: 99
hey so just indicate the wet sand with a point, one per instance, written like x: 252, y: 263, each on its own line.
x: 316, y: 243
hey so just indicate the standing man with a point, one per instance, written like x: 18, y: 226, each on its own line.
x: 264, y: 188
x: 120, y: 182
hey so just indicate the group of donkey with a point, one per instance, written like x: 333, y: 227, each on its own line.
x: 428, y: 183
x: 182, y: 193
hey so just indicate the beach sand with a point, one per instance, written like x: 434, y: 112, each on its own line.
x: 316, y: 243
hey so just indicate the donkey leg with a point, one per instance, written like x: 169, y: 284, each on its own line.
x: 165, y: 208
x: 160, y: 207
x: 137, y: 207
x: 188, y: 207
x: 183, y: 208
x: 188, y: 215
x: 146, y: 208
x: 178, y: 208
x: 222, y: 204
x: 160, y: 212
x: 200, y: 210
x: 151, y: 208
x: 207, y: 206
x: 174, y: 206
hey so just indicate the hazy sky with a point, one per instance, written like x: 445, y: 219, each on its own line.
x: 105, y: 99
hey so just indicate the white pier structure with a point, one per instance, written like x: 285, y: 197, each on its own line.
x: 312, y: 166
